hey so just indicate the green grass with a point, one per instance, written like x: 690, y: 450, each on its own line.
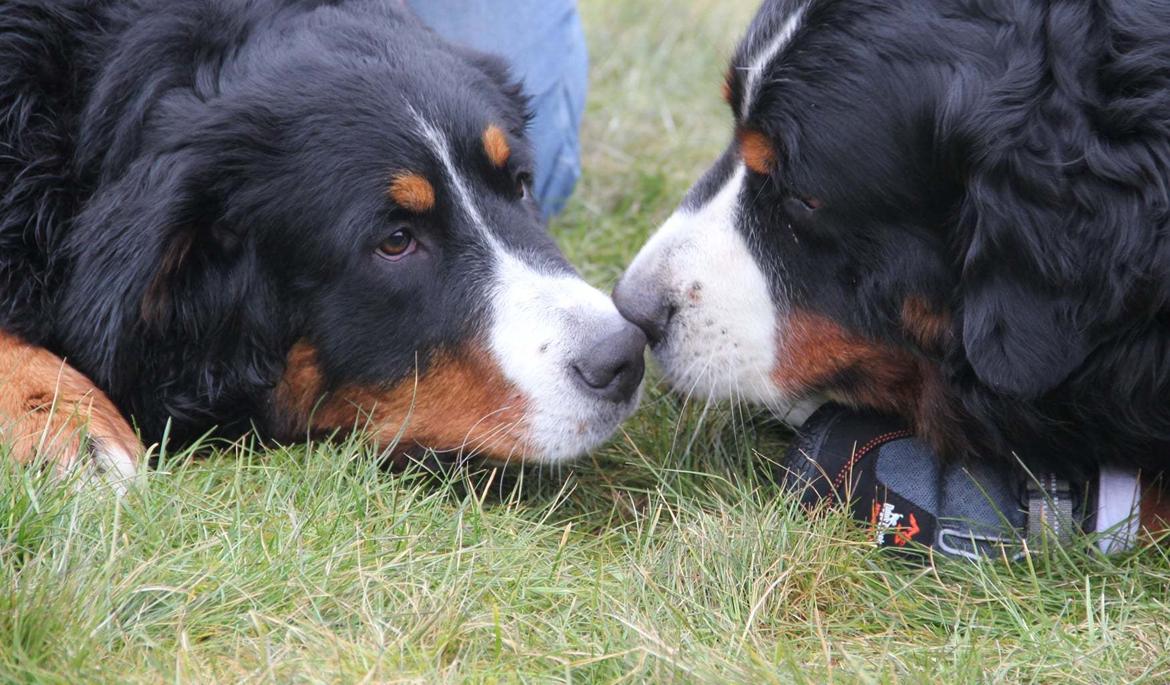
x: 666, y: 556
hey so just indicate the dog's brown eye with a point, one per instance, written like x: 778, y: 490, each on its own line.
x: 398, y: 245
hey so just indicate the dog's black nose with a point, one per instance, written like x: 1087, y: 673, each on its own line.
x: 645, y: 308
x: 612, y: 366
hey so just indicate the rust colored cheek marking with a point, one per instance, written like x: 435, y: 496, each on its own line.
x: 757, y: 151
x: 495, y: 145
x: 413, y: 192
x: 925, y: 325
x: 462, y: 402
x: 816, y: 353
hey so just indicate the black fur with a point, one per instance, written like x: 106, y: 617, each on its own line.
x: 1006, y: 161
x: 189, y: 187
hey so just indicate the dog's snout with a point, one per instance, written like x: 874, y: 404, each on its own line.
x: 644, y: 307
x: 611, y: 366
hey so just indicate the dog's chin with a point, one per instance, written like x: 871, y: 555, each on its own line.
x: 552, y: 435
x: 708, y: 379
x: 569, y: 431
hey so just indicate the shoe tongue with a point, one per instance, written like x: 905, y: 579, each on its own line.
x: 908, y: 468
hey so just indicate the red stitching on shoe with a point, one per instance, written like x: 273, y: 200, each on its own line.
x: 861, y: 453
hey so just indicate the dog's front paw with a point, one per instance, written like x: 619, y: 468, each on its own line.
x: 110, y: 459
x: 51, y: 413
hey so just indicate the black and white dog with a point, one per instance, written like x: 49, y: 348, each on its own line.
x: 294, y: 216
x: 954, y: 210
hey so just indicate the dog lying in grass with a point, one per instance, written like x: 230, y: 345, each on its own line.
x: 954, y: 212
x: 290, y: 216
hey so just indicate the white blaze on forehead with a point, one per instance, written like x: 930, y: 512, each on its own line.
x: 540, y: 316
x: 722, y: 340
x: 764, y: 57
x: 438, y: 144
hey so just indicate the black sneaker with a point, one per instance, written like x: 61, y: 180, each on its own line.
x: 912, y: 501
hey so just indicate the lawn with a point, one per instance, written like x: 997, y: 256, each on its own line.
x: 667, y: 556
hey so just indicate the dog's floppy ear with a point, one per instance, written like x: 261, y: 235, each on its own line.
x: 509, y: 85
x: 1021, y: 336
x: 124, y: 248
x: 517, y: 103
x: 494, y: 68
x: 1029, y: 287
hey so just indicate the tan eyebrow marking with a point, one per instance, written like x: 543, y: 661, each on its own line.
x: 412, y: 191
x: 727, y: 86
x: 495, y: 144
x: 757, y: 151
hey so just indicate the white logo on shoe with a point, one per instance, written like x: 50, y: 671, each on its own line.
x: 886, y: 521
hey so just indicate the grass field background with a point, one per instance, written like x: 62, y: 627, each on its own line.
x: 665, y: 557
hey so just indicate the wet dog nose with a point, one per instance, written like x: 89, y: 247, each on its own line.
x: 644, y: 307
x: 612, y: 366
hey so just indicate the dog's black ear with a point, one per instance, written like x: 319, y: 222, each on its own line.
x: 126, y: 246
x: 1021, y: 336
x: 494, y: 68
x: 1034, y: 288
x: 514, y: 101
x: 509, y: 86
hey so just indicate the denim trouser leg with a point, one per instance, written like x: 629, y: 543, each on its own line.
x: 545, y: 44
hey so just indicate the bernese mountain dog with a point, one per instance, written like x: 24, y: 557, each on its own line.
x: 298, y: 217
x: 957, y: 211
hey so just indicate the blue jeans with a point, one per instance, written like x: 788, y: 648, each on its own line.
x: 545, y: 44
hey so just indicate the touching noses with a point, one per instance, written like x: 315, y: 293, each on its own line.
x: 611, y: 364
x: 644, y: 306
